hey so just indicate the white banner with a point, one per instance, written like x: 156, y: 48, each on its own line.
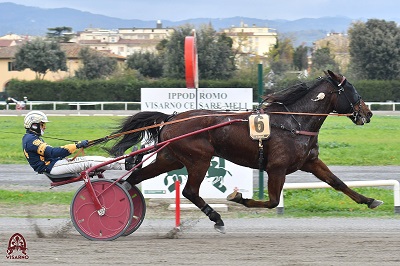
x: 180, y: 100
x: 223, y: 177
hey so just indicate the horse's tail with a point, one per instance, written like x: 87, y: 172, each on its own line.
x: 137, y: 121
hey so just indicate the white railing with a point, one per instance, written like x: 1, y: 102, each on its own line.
x: 392, y: 104
x: 373, y: 183
x: 78, y: 105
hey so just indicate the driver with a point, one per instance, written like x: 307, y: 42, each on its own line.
x: 44, y: 158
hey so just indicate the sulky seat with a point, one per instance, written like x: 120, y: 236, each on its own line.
x: 62, y: 177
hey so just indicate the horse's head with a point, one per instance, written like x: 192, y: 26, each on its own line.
x: 348, y: 100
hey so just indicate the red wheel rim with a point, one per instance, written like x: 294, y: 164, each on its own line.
x: 117, y: 217
x: 139, y: 210
x: 191, y: 62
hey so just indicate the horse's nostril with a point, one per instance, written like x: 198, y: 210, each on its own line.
x: 369, y: 114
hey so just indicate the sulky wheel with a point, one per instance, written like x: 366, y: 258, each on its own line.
x: 139, y: 210
x: 118, y: 211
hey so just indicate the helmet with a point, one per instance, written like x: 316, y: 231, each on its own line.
x: 34, y: 117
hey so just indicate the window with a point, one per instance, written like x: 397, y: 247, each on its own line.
x: 11, y: 66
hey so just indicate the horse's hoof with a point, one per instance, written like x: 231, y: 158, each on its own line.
x: 375, y: 204
x: 219, y: 228
x: 234, y: 196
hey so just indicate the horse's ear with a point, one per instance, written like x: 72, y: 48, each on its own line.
x: 333, y: 75
x: 326, y: 73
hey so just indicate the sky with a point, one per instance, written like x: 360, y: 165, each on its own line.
x: 176, y: 10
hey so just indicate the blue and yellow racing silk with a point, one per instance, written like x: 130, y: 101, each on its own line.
x: 42, y: 156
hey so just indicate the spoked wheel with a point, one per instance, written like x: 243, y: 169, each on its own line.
x: 139, y: 210
x: 118, y: 211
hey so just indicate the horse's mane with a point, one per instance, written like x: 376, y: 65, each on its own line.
x: 290, y: 95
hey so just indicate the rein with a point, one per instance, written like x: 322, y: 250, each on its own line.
x: 109, y: 137
x: 310, y: 114
x: 259, y: 110
x: 301, y: 132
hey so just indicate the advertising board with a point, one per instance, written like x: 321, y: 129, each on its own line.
x: 223, y: 177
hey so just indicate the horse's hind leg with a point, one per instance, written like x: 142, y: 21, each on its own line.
x: 161, y: 165
x: 322, y: 172
x: 196, y: 174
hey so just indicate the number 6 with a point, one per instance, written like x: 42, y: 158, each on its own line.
x: 258, y: 124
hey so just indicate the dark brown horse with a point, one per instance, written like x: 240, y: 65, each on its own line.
x: 296, y: 116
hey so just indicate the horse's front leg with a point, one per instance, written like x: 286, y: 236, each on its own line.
x: 322, y: 172
x: 276, y: 179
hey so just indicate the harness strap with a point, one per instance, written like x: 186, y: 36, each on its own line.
x: 297, y: 132
x: 307, y: 133
x: 260, y: 155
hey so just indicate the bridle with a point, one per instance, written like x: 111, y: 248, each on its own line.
x: 337, y: 110
x: 340, y: 91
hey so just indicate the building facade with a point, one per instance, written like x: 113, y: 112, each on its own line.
x: 74, y: 62
x: 253, y: 41
x: 124, y: 41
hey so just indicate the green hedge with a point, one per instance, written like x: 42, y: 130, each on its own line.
x: 75, y: 90
x: 378, y: 90
x: 129, y: 89
x: 103, y: 90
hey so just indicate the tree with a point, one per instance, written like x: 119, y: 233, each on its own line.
x: 375, y: 49
x: 323, y: 60
x: 40, y: 56
x: 174, y: 64
x: 148, y: 64
x: 281, y: 56
x: 161, y: 46
x: 215, y: 56
x: 216, y: 59
x: 300, y: 57
x: 95, y: 65
x: 58, y: 34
